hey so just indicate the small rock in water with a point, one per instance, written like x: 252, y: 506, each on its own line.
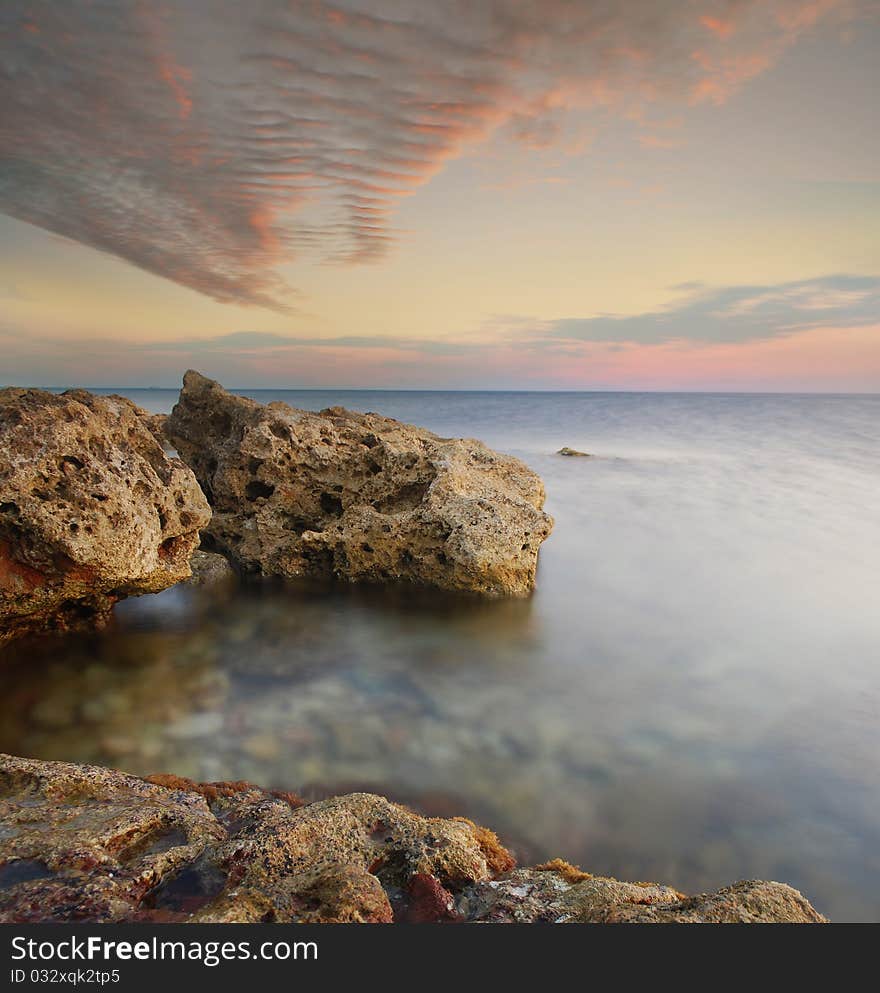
x: 573, y: 451
x: 197, y: 726
x: 263, y: 747
x: 209, y: 569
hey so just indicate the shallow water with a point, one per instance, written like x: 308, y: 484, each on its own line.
x: 691, y: 695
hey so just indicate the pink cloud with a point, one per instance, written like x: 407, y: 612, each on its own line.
x: 720, y: 28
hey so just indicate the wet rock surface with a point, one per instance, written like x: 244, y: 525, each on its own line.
x: 357, y: 497
x: 92, y: 509
x: 83, y: 843
x: 86, y: 843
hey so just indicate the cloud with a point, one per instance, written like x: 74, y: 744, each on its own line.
x: 245, y: 357
x: 813, y: 334
x: 262, y: 341
x: 211, y: 141
x: 715, y: 315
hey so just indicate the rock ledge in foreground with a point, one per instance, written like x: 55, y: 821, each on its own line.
x: 91, y: 509
x: 83, y: 843
x: 357, y: 497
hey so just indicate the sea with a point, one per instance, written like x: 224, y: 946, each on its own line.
x: 691, y: 695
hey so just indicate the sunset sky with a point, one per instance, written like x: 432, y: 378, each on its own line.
x: 496, y: 194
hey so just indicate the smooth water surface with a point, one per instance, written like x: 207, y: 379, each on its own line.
x: 692, y: 694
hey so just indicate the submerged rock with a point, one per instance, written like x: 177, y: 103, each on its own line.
x: 356, y: 496
x: 82, y: 843
x: 91, y: 509
x: 209, y: 569
x: 573, y: 452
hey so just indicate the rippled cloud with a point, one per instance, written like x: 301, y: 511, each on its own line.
x: 212, y: 141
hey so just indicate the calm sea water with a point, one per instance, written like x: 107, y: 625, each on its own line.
x: 692, y: 695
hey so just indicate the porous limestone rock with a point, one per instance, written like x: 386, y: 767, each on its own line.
x: 82, y: 843
x: 357, y: 496
x: 561, y: 894
x: 86, y: 843
x: 91, y: 509
x: 155, y: 424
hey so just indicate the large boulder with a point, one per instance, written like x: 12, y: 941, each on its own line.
x: 357, y: 496
x: 91, y: 509
x: 82, y: 843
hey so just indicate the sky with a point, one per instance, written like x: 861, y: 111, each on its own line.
x: 450, y: 194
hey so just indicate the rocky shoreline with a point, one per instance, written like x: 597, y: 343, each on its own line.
x: 96, y: 506
x: 84, y: 843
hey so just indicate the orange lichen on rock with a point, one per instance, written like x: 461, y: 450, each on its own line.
x: 224, y: 788
x: 498, y: 858
x: 570, y: 873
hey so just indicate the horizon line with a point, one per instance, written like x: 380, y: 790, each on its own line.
x: 408, y: 389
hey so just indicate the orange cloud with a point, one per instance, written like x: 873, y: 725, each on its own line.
x: 173, y: 75
x: 720, y: 28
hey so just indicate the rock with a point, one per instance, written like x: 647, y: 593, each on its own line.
x: 91, y: 509
x: 560, y: 894
x: 573, y: 452
x: 746, y: 902
x: 85, y: 843
x: 209, y: 569
x: 155, y: 424
x: 357, y: 497
x: 427, y: 902
x: 262, y: 747
x: 556, y: 893
x: 205, y: 725
x: 82, y: 843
